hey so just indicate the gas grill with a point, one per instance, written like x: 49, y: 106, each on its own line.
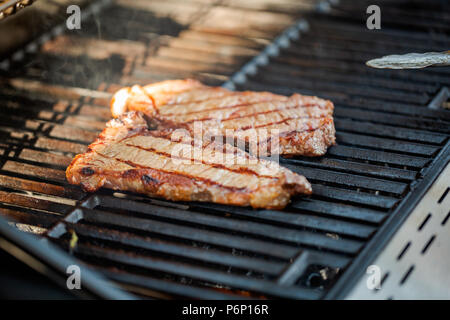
x: 392, y: 143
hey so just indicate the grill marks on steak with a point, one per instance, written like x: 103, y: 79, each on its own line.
x: 129, y: 157
x: 295, y: 125
x: 176, y: 165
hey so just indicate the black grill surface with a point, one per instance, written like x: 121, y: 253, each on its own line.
x: 389, y: 144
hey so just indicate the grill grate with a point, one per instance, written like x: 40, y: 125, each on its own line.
x: 54, y: 103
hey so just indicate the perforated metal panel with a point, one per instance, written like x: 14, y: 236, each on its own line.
x: 416, y: 263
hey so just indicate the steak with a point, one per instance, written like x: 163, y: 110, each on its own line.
x: 128, y: 156
x: 266, y: 123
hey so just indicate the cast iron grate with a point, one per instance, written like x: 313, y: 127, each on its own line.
x: 55, y: 102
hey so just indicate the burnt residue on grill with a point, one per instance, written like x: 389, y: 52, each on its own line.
x: 87, y: 171
x: 55, y: 101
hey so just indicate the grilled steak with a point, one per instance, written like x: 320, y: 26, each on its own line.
x: 128, y: 156
x: 267, y: 122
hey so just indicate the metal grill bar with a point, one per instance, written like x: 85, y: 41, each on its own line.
x: 12, y: 6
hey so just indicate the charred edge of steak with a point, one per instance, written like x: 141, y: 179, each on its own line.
x: 87, y: 171
x: 150, y: 183
x: 149, y: 180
